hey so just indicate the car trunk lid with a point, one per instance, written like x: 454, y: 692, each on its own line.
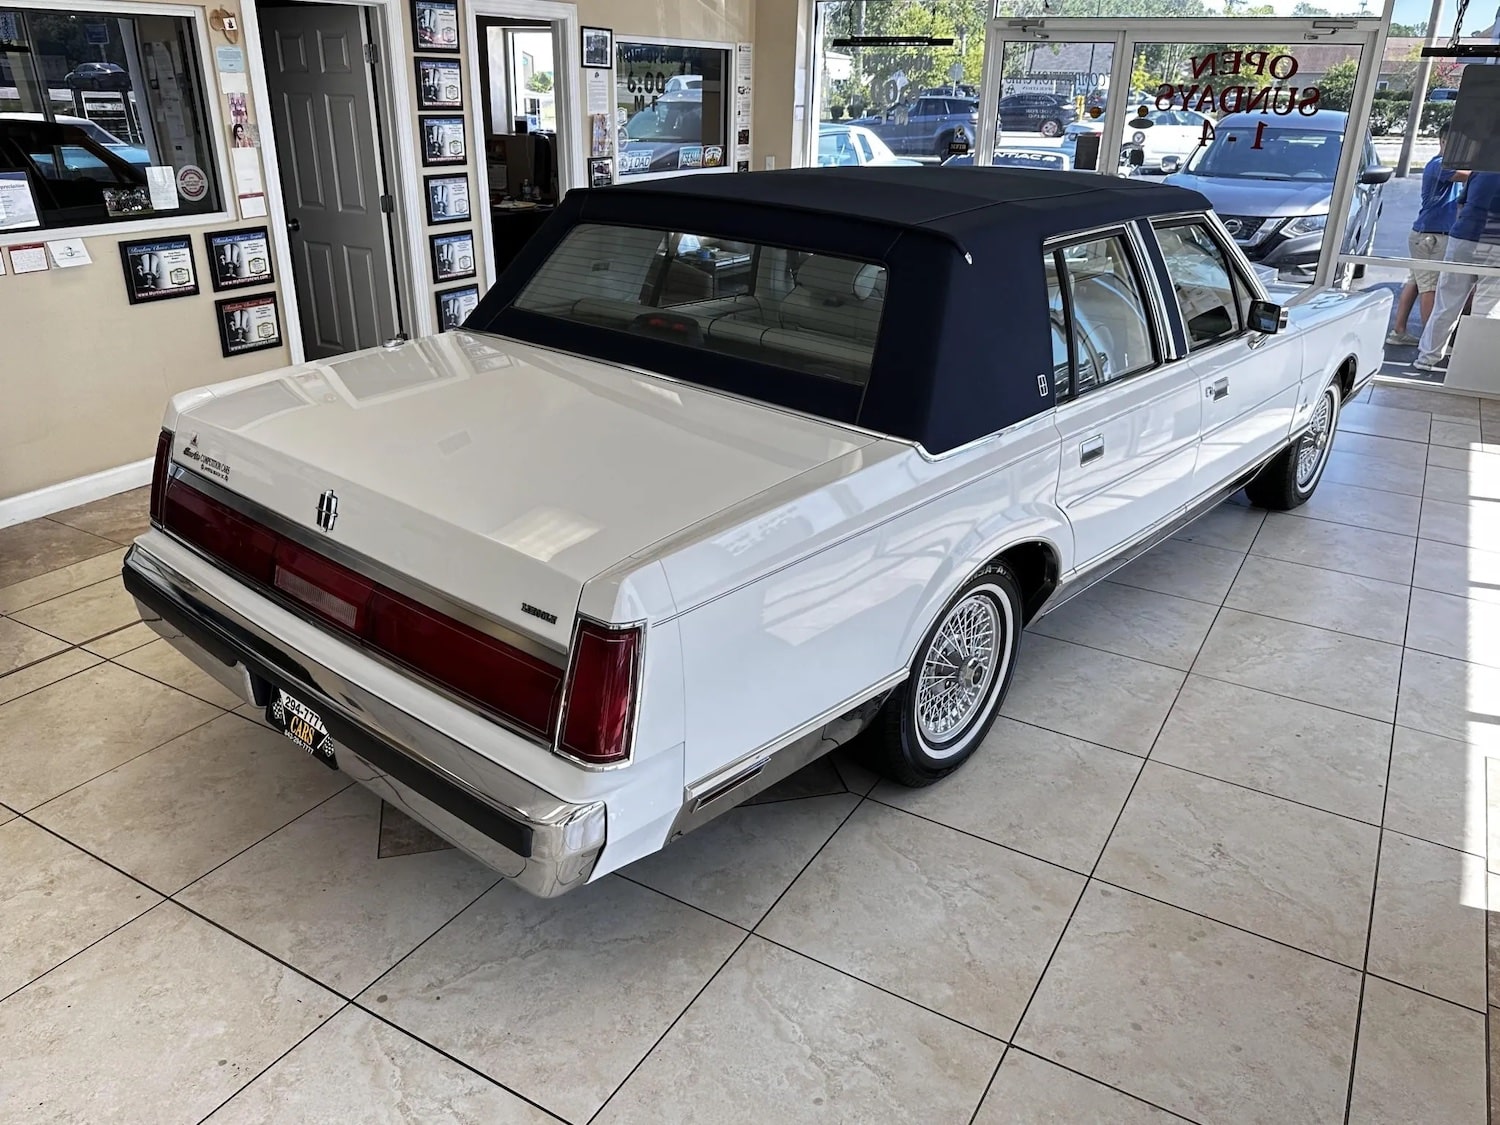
x: 500, y: 474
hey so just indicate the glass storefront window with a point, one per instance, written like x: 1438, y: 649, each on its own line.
x: 102, y: 119
x: 672, y: 108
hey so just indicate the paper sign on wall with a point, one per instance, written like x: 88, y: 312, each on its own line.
x: 234, y: 83
x: 598, y: 92
x: 2, y: 263
x: 744, y: 65
x: 28, y: 259
x: 69, y: 252
x: 252, y: 206
x: 247, y: 179
x: 229, y: 60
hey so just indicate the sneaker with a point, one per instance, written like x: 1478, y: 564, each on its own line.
x: 1403, y: 340
x: 1422, y: 364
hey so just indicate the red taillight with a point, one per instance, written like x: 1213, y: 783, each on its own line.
x: 159, y: 473
x: 488, y: 671
x: 500, y: 678
x: 235, y: 541
x: 596, y: 726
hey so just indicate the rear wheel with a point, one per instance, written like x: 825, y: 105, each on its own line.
x: 1291, y: 477
x: 939, y: 716
x: 1051, y: 128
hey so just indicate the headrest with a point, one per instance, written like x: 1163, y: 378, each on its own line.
x: 841, y: 277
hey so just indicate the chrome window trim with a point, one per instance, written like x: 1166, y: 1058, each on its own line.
x: 1135, y: 249
x: 367, y: 567
x: 1222, y: 239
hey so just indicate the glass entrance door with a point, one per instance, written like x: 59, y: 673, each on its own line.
x: 1252, y: 113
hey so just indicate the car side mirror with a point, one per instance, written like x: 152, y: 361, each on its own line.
x: 1137, y: 157
x: 1267, y: 317
x: 1375, y: 175
x: 1170, y: 164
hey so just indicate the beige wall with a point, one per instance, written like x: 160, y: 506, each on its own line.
x: 84, y: 374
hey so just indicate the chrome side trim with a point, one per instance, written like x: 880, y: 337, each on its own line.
x: 1090, y: 573
x: 752, y: 773
x: 418, y: 591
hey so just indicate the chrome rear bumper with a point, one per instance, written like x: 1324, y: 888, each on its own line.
x: 545, y: 844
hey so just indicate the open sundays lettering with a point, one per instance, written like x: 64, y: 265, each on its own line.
x: 1240, y: 97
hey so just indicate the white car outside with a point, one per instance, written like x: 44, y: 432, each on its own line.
x: 843, y: 146
x: 563, y: 604
x: 1172, y: 133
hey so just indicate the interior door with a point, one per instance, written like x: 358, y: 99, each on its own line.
x: 324, y: 119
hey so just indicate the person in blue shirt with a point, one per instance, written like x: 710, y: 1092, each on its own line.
x: 1428, y: 241
x: 1474, y: 238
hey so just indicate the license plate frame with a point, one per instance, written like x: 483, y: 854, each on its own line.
x: 302, y: 725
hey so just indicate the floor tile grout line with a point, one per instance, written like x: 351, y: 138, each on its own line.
x: 748, y: 934
x: 150, y: 749
x: 77, y: 952
x: 490, y: 1078
x: 218, y: 866
x: 1364, y: 974
x: 1092, y: 875
x: 263, y: 1070
x: 62, y: 679
x: 1106, y: 1085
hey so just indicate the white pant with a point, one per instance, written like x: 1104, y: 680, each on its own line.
x: 1453, y: 290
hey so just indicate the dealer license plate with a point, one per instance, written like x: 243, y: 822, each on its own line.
x: 302, y: 725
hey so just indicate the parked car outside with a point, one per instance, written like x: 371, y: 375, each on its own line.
x: 688, y: 544
x: 1443, y: 94
x: 680, y: 83
x: 1160, y: 134
x: 76, y: 157
x: 98, y: 76
x: 843, y: 146
x: 1275, y: 198
x: 653, y: 139
x: 1038, y: 157
x: 1028, y: 112
x: 924, y: 126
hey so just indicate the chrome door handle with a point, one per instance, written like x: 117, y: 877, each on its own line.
x: 1217, y: 390
x: 1091, y: 450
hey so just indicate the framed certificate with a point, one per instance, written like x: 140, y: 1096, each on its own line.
x: 435, y: 24
x: 455, y: 305
x: 443, y: 141
x: 447, y: 199
x: 439, y: 84
x: 159, y: 269
x: 248, y: 324
x: 239, y: 258
x: 452, y: 256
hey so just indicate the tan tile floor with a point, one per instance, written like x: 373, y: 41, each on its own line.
x: 1225, y: 858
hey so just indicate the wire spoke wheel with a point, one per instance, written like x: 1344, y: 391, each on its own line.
x: 959, y: 668
x: 1312, y: 450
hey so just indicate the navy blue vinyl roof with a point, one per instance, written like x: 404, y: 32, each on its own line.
x: 964, y: 347
x: 951, y: 200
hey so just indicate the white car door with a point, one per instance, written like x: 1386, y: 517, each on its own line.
x: 1249, y: 381
x: 1129, y: 421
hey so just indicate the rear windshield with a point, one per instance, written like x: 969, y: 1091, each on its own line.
x: 810, y: 313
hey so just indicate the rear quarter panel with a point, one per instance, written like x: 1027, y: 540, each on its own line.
x: 805, y: 605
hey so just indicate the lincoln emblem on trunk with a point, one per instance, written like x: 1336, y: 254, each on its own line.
x: 328, y: 510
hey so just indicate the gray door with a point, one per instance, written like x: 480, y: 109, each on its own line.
x: 324, y: 120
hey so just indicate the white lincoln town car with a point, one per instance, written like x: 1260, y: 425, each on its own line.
x: 724, y: 472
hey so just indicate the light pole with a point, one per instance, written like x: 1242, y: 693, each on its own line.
x: 1419, y: 91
